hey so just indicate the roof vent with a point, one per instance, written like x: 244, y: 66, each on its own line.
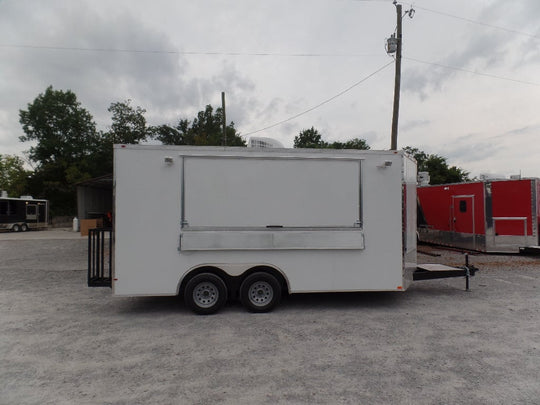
x: 423, y: 178
x: 260, y: 142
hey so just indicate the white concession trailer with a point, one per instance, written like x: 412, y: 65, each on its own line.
x: 212, y: 223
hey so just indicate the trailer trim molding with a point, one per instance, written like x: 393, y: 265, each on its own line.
x: 272, y: 240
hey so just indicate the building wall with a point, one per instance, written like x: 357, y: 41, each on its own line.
x: 93, y: 202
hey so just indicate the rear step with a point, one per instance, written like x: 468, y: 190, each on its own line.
x: 99, y: 257
x: 434, y: 271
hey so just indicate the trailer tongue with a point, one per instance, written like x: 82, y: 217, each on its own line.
x: 436, y: 271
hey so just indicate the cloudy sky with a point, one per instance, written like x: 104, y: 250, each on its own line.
x: 470, y: 83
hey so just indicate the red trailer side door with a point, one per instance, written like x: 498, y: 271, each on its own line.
x: 463, y: 213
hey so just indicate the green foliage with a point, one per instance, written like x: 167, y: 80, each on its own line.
x: 66, y: 141
x: 355, y: 143
x: 13, y: 176
x: 437, y: 167
x: 128, y: 127
x: 128, y: 124
x: 311, y: 138
x: 51, y: 182
x: 168, y: 135
x: 205, y: 129
x: 67, y: 148
x: 62, y: 129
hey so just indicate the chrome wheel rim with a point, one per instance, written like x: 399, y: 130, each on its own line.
x: 260, y: 293
x: 205, y: 294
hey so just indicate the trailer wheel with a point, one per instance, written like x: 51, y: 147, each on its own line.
x: 24, y: 228
x: 260, y: 292
x: 16, y: 228
x: 205, y: 293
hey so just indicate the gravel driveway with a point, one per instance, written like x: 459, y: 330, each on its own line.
x: 64, y: 343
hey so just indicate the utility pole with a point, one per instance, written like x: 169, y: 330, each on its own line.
x: 397, y: 83
x: 224, y: 141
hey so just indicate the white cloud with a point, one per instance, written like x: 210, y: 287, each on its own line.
x: 480, y: 123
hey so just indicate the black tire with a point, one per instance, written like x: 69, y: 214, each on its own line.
x: 260, y: 292
x: 16, y: 228
x: 24, y: 228
x: 205, y: 293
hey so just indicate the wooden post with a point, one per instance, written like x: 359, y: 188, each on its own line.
x: 397, y: 83
x: 224, y: 119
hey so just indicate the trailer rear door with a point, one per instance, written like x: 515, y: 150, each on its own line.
x: 513, y: 214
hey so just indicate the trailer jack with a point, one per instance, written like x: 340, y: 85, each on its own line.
x: 434, y: 271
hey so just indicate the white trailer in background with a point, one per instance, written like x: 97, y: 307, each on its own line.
x: 209, y: 223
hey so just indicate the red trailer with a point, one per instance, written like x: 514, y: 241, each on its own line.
x: 489, y: 216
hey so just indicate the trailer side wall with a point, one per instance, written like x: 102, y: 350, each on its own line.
x: 159, y: 188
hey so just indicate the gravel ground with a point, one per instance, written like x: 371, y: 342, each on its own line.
x: 64, y: 343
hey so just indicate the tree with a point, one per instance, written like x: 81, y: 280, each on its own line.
x: 311, y: 138
x: 355, y: 143
x: 205, y: 129
x: 437, y: 167
x: 128, y: 127
x: 13, y: 176
x: 65, y: 139
x: 63, y: 130
x: 168, y: 135
x: 128, y: 123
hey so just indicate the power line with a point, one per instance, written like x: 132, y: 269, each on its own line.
x: 303, y: 54
x: 457, y: 17
x: 473, y: 72
x: 469, y: 20
x: 323, y: 102
x: 81, y: 49
x: 203, y: 53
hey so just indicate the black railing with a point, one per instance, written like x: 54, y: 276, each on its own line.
x: 99, y: 257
